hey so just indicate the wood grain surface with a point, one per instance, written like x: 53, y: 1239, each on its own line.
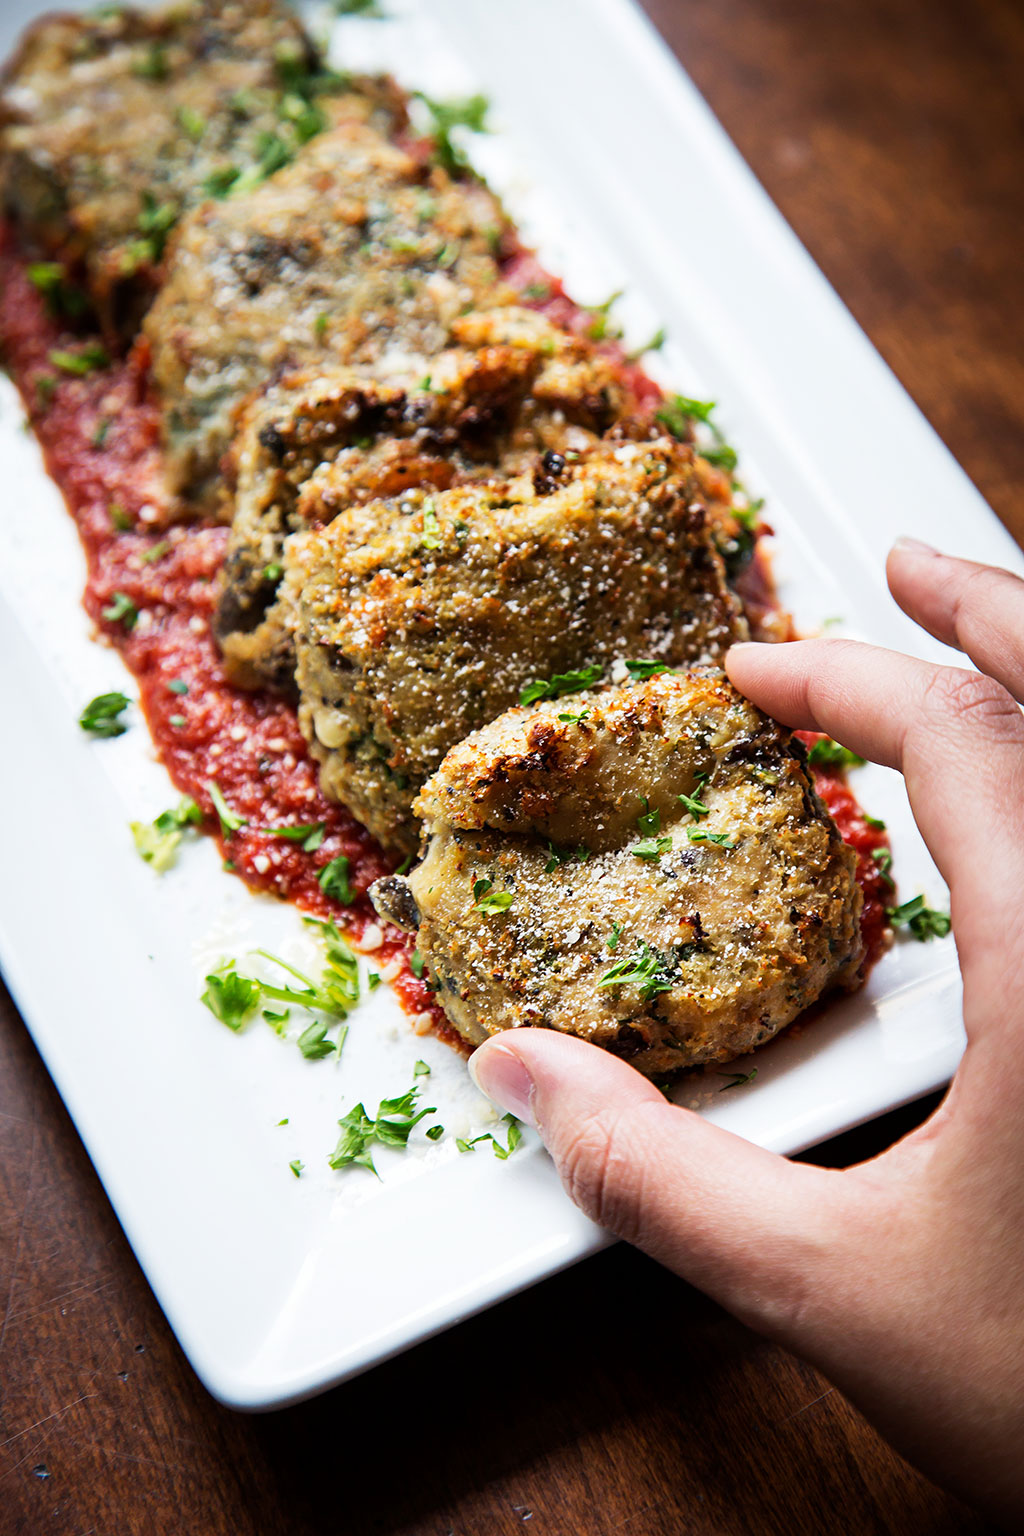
x: 613, y: 1398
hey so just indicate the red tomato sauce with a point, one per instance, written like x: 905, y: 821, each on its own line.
x: 100, y: 438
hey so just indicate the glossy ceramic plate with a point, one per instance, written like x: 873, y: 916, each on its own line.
x: 278, y: 1287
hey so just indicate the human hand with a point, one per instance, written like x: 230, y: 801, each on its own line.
x: 903, y: 1278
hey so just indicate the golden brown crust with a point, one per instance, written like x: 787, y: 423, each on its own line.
x: 566, y: 884
x: 424, y: 617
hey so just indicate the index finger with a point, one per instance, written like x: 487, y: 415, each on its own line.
x: 957, y: 737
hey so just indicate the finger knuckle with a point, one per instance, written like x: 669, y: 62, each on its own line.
x: 972, y: 699
x: 603, y: 1175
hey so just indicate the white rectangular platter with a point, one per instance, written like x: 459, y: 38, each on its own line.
x: 277, y: 1287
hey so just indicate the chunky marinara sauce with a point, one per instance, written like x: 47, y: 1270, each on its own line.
x: 100, y: 436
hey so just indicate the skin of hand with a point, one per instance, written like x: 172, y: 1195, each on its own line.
x: 902, y: 1279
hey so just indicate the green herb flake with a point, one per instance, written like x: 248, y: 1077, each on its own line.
x: 334, y: 881
x: 120, y: 519
x: 157, y: 842
x: 121, y: 610
x: 827, y: 753
x: 613, y: 942
x: 651, y: 849
x: 296, y: 1167
x: 313, y: 1042
x: 737, y: 1079
x: 561, y: 683
x: 284, y: 1121
x: 515, y: 1136
x: 156, y: 552
x: 494, y: 901
x: 874, y: 823
x: 417, y: 964
x: 421, y: 1069
x: 569, y: 718
x: 86, y: 360
x: 391, y: 1127
x: 923, y: 921
x: 100, y: 717
x: 153, y: 64
x: 434, y: 1133
x: 369, y: 9
x: 464, y: 112
x: 648, y: 822
x: 177, y: 685
x: 192, y: 121
x: 639, y: 671
x: 720, y: 839
x: 230, y: 997
x: 655, y: 344
x: 310, y: 835
x: 229, y: 821
x: 883, y: 858
x: 646, y: 968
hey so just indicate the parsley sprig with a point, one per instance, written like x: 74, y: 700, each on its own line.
x: 514, y: 1137
x: 923, y: 921
x: 827, y: 753
x: 562, y: 683
x: 157, y: 842
x: 390, y: 1127
x: 461, y: 112
x: 234, y: 997
x: 646, y: 968
x: 101, y: 716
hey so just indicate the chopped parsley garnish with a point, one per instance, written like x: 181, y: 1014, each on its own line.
x: 655, y: 344
x: 721, y: 456
x: 434, y: 1133
x: 565, y: 856
x: 121, y: 610
x: 493, y: 901
x: 431, y: 528
x: 177, y: 685
x: 178, y: 721
x: 46, y: 388
x: 314, y: 1044
x: 310, y: 835
x: 515, y: 1136
x: 883, y: 858
x: 155, y: 222
x: 651, y: 849
x: 561, y: 683
x: 923, y: 921
x: 641, y: 670
x: 62, y: 297
x: 296, y: 1167
x: 156, y: 552
x: 391, y: 1127
x: 193, y: 122
x: 218, y: 182
x: 465, y: 112
x: 417, y: 964
x: 645, y: 968
x: 874, y: 823
x: 101, y: 715
x: 154, y: 64
x: 693, y: 803
x: 157, y: 842
x: 229, y: 821
x: 601, y: 328
x: 334, y: 881
x: 336, y: 993
x: 613, y: 942
x: 648, y: 822
x: 720, y: 839
x: 678, y: 413
x: 421, y: 1069
x: 537, y: 291
x: 230, y: 997
x: 827, y: 753
x: 367, y: 8
x: 86, y: 360
x: 121, y: 520
x: 737, y: 1079
x: 569, y: 718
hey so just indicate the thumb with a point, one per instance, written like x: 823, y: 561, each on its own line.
x: 769, y: 1239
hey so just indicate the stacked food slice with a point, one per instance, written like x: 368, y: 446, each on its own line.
x: 461, y: 541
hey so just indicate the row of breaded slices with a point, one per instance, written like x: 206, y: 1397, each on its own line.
x: 442, y: 503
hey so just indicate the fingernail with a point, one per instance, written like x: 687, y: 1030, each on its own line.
x: 502, y: 1078
x: 907, y: 546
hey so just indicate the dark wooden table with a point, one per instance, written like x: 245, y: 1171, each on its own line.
x: 612, y: 1398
